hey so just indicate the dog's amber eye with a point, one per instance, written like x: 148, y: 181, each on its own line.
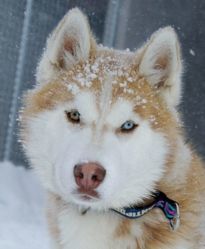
x: 73, y: 116
x: 128, y: 126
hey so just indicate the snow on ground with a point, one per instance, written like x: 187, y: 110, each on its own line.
x: 22, y: 211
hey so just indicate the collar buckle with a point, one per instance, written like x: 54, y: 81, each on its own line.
x: 175, y: 221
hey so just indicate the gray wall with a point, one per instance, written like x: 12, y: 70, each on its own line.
x: 25, y: 25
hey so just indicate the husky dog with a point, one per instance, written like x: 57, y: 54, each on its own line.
x: 102, y: 131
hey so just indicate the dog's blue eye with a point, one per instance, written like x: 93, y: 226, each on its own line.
x: 128, y: 126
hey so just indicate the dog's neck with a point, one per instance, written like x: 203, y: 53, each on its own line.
x: 169, y: 207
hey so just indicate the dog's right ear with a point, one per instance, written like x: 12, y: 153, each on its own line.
x: 70, y: 43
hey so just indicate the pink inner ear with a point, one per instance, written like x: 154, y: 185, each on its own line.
x: 161, y: 63
x: 69, y: 45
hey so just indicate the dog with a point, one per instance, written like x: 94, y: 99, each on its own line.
x: 102, y: 131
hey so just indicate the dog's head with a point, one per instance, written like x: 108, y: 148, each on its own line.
x: 100, y: 125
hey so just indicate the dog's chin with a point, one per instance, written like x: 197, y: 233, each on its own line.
x: 93, y: 200
x: 89, y: 203
x: 84, y: 201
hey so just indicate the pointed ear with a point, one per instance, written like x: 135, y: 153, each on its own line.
x: 70, y: 43
x: 161, y: 64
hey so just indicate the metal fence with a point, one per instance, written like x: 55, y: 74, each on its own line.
x: 25, y: 25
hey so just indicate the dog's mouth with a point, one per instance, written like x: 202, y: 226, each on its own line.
x: 86, y: 194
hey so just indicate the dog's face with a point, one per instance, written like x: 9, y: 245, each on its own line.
x: 99, y: 127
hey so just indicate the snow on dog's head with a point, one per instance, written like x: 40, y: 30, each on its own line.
x: 100, y: 126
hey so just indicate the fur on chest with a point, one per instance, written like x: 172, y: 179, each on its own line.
x: 72, y: 228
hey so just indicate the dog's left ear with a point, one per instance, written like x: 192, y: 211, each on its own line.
x: 161, y: 64
x: 69, y: 43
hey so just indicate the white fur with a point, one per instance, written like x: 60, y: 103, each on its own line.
x: 86, y: 102
x: 116, y: 118
x: 164, y: 45
x: 91, y: 231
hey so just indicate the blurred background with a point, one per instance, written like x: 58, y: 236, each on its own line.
x: 25, y: 24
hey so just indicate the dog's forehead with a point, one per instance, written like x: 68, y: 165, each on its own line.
x: 109, y: 76
x: 101, y: 107
x: 94, y: 72
x: 104, y: 82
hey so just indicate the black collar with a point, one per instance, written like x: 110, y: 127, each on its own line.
x: 169, y: 207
